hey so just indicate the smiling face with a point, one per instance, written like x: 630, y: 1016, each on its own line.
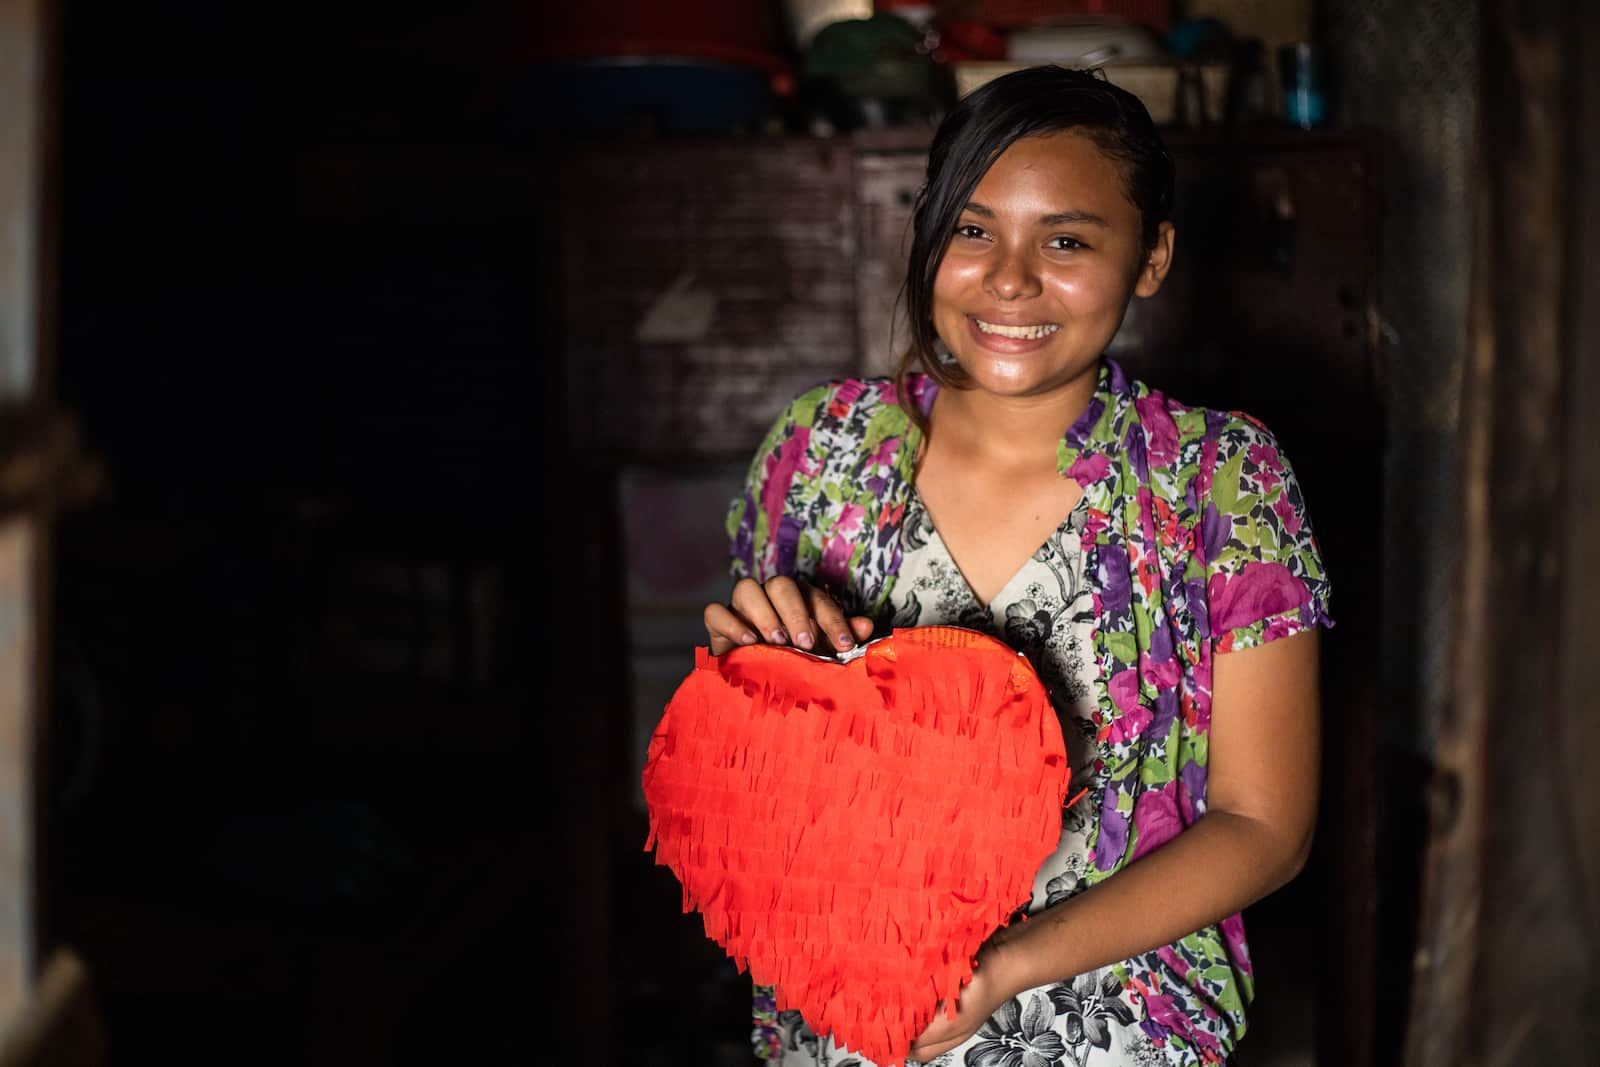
x: 1044, y: 259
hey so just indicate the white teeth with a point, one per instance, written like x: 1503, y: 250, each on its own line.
x: 1022, y: 332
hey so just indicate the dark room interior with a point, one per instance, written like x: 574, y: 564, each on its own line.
x: 413, y: 360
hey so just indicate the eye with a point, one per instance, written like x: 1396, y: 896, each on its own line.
x: 1064, y: 243
x: 970, y: 231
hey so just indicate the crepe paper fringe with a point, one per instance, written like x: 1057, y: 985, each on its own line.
x: 852, y: 833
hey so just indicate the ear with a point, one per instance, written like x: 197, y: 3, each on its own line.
x: 1156, y: 262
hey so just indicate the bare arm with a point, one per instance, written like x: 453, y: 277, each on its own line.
x: 1262, y: 804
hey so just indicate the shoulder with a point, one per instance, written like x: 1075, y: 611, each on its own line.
x: 1200, y: 435
x: 843, y: 409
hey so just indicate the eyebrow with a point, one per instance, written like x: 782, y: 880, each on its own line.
x: 1060, y: 218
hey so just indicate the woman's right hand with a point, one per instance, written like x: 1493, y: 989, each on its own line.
x: 781, y: 612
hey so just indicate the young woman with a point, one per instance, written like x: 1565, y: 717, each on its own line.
x: 1153, y: 561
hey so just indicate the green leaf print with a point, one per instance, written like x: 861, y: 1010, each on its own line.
x: 1122, y: 646
x: 1225, y: 484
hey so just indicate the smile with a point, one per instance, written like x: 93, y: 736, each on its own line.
x: 1022, y: 333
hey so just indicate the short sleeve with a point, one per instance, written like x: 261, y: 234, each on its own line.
x: 1264, y: 572
x: 763, y: 536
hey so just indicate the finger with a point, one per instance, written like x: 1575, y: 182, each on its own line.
x: 790, y: 602
x: 830, y: 620
x: 726, y: 629
x: 750, y: 600
x: 861, y: 626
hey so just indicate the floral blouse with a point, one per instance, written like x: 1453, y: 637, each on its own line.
x: 1194, y: 540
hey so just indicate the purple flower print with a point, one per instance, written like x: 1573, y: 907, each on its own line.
x: 744, y: 537
x: 1082, y: 430
x: 787, y: 544
x: 1214, y: 531
x: 1155, y: 816
x: 1115, y: 579
x: 1160, y: 644
x: 1133, y: 447
x: 1166, y: 711
x: 1113, y: 840
x: 1256, y: 592
x: 1193, y: 777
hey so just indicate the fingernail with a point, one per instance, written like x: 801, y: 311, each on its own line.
x: 778, y: 637
x: 803, y: 639
x: 747, y: 638
x: 844, y: 640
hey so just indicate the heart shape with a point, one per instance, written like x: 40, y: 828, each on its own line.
x: 853, y: 831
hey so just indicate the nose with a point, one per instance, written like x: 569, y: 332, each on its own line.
x: 1012, y: 276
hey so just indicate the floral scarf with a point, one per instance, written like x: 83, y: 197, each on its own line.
x: 1198, y: 543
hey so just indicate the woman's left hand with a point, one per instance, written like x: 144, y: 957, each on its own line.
x: 980, y: 999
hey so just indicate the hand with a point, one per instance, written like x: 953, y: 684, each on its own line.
x: 781, y: 612
x: 980, y: 999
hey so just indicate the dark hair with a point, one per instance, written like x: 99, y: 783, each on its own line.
x: 1024, y: 103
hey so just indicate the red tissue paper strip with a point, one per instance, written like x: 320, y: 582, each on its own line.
x: 852, y: 832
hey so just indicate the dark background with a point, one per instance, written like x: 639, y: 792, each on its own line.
x: 300, y: 640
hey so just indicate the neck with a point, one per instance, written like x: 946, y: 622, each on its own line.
x: 1011, y: 430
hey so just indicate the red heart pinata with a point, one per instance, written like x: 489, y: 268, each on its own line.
x: 852, y: 832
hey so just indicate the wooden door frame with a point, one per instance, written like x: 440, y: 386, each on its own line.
x: 1505, y: 967
x: 27, y: 472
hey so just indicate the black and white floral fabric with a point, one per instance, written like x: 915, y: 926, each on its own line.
x: 1046, y: 612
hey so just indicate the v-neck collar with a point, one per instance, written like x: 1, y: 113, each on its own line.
x: 937, y: 538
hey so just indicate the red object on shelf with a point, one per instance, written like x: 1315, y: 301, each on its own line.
x: 1016, y: 14
x: 731, y: 31
x: 963, y: 41
x: 853, y: 832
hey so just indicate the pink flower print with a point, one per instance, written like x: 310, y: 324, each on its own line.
x: 1089, y: 469
x: 1258, y: 591
x: 1094, y: 522
x: 849, y: 392
x: 1287, y: 515
x: 1265, y: 457
x: 1160, y: 1010
x: 1161, y: 433
x: 780, y: 473
x: 1128, y: 725
x: 1280, y: 626
x: 885, y: 453
x: 1163, y: 674
x: 849, y: 522
x: 1179, y: 965
x: 1124, y: 688
x: 1238, y: 948
x: 1208, y: 467
x: 835, y: 560
x: 1155, y: 816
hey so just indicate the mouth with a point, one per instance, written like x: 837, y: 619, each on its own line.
x: 1020, y: 333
